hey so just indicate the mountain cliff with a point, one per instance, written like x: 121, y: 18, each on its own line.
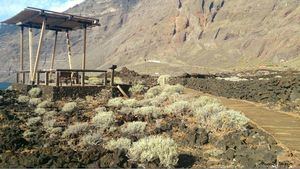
x: 176, y: 36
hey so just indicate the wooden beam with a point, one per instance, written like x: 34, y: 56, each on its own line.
x: 22, y: 52
x: 30, y: 33
x: 37, y: 58
x: 54, y: 51
x: 84, y: 50
x: 69, y: 49
x: 122, y: 91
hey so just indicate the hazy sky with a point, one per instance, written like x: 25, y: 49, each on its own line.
x: 9, y: 8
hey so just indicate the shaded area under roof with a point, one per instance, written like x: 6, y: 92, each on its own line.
x: 33, y: 17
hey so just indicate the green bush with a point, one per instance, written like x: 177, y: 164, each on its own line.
x: 35, y: 92
x: 116, y: 102
x: 33, y: 121
x: 163, y: 79
x: 150, y: 111
x: 229, y: 120
x: 75, y: 129
x: 91, y: 139
x: 153, y: 92
x: 118, y: 144
x: 202, y: 101
x: 131, y: 103
x: 153, y: 148
x: 136, y: 127
x: 40, y: 111
x: 45, y: 104
x: 23, y: 99
x: 35, y: 101
x: 137, y: 89
x: 104, y: 119
x: 69, y: 107
x: 178, y: 107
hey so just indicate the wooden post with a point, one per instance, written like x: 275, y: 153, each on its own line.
x: 112, y: 77
x: 30, y: 33
x: 105, y: 79
x: 38, y: 50
x: 54, y: 50
x: 24, y: 77
x: 22, y: 51
x: 84, y: 56
x: 82, y: 78
x: 47, y: 78
x: 38, y: 77
x: 69, y: 49
x: 17, y: 77
x: 57, y: 78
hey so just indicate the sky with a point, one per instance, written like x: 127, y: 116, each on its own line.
x: 9, y: 8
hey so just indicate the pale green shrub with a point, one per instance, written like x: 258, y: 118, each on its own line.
x: 127, y: 110
x: 28, y: 133
x: 91, y: 139
x: 100, y: 109
x: 119, y: 144
x: 136, y: 127
x: 152, y: 148
x: 228, y: 120
x: 103, y: 119
x: 158, y: 100
x: 69, y: 107
x: 40, y: 111
x: 178, y: 107
x: 151, y: 111
x: 35, y: 92
x: 137, y: 89
x: 163, y: 79
x: 55, y: 130
x: 45, y: 104
x: 116, y: 102
x: 202, y: 101
x: 94, y: 81
x: 130, y: 103
x: 172, y: 89
x: 214, y: 152
x: 154, y: 91
x: 48, y: 124
x: 205, y: 112
x: 50, y: 115
x: 35, y: 101
x: 75, y: 129
x: 33, y: 121
x: 23, y: 99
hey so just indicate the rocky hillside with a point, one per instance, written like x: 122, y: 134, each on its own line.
x: 163, y: 36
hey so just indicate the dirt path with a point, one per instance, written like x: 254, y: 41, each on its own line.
x: 284, y: 127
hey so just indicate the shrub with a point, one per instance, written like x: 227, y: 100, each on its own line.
x: 116, y: 102
x: 119, y: 144
x: 136, y: 127
x: 55, y: 130
x: 23, y: 99
x: 40, y: 111
x: 75, y: 129
x: 33, y: 121
x: 151, y: 111
x: 49, y: 114
x: 35, y: 101
x: 229, y: 120
x: 131, y: 103
x: 137, y: 89
x: 45, y: 104
x: 178, y: 107
x: 127, y: 110
x: 94, y: 81
x: 159, y: 100
x: 202, y: 101
x: 100, y: 109
x: 48, y: 124
x: 104, y: 120
x: 153, y: 148
x: 205, y: 112
x: 69, y: 107
x: 154, y: 91
x: 35, y: 92
x: 163, y: 79
x: 91, y: 139
x: 172, y: 89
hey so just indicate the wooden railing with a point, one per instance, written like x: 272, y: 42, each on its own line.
x: 62, y: 74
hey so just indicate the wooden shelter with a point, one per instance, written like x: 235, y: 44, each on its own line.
x: 34, y: 18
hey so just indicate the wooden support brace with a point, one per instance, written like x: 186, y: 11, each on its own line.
x: 82, y: 79
x: 30, y: 33
x: 105, y: 79
x: 54, y: 51
x: 47, y: 78
x: 122, y: 91
x: 69, y: 49
x: 38, y: 50
x: 38, y: 78
x: 22, y: 52
x: 17, y: 79
x: 57, y: 78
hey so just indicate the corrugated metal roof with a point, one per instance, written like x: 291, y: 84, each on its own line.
x: 33, y: 17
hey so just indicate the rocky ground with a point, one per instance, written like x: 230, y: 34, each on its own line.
x: 102, y: 132
x: 277, y: 89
